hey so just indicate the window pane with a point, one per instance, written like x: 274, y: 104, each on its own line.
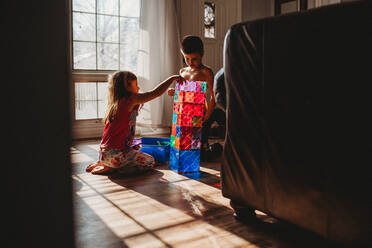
x: 130, y: 8
x: 328, y: 2
x: 84, y: 27
x: 108, y: 56
x: 95, y: 34
x: 209, y: 20
x: 84, y: 55
x: 129, y: 30
x: 109, y: 7
x: 288, y: 7
x: 84, y: 5
x: 85, y: 91
x: 102, y: 99
x: 102, y: 105
x: 128, y: 57
x: 85, y: 110
x: 108, y: 28
x: 102, y: 91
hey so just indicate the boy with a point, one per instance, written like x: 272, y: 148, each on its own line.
x: 192, y: 50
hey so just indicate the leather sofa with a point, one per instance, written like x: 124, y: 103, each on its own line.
x: 297, y: 143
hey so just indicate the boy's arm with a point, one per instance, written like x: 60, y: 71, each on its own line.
x: 212, y: 101
x: 219, y: 89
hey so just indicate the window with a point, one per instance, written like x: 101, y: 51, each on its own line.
x: 105, y: 38
x: 319, y: 3
x: 209, y: 20
x: 90, y: 100
x: 105, y: 34
x: 289, y: 6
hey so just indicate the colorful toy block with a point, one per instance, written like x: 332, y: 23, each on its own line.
x: 195, y: 143
x: 190, y: 161
x: 197, y: 121
x: 196, y: 132
x: 186, y: 132
x: 188, y: 111
x: 181, y: 96
x: 179, y: 120
x: 183, y: 86
x: 186, y: 120
x: 177, y: 143
x: 184, y: 161
x: 189, y: 97
x: 173, y: 130
x: 198, y: 87
x: 203, y: 87
x: 177, y: 96
x: 178, y: 131
x: 199, y: 109
x: 185, y: 144
x: 199, y: 98
x: 174, y: 119
x: 191, y: 86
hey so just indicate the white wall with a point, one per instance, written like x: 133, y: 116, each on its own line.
x: 190, y: 15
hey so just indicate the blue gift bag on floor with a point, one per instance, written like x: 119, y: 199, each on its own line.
x: 157, y: 147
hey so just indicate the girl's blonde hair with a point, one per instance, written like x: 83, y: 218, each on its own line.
x: 117, y: 89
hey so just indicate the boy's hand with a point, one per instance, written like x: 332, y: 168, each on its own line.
x: 171, y: 92
x: 200, y: 122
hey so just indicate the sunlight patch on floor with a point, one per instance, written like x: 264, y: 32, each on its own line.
x: 142, y: 221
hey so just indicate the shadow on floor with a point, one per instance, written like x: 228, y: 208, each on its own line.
x: 265, y: 232
x: 89, y: 228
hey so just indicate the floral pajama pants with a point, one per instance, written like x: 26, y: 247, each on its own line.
x: 126, y: 161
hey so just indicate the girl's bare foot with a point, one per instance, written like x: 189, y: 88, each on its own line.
x: 102, y: 170
x: 92, y: 166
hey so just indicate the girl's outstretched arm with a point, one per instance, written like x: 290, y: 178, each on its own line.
x: 140, y: 98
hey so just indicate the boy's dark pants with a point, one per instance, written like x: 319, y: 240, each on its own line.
x: 217, y: 115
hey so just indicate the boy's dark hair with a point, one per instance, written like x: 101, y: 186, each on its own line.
x: 192, y: 44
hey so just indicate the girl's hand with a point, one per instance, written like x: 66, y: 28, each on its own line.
x: 178, y: 78
x: 171, y: 92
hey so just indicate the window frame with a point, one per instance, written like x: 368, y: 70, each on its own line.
x: 215, y: 17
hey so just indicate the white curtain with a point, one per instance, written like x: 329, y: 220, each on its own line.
x: 159, y: 57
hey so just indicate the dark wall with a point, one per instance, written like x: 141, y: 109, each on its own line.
x: 35, y: 107
x: 257, y: 9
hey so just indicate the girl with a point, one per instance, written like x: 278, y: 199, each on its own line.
x: 120, y: 120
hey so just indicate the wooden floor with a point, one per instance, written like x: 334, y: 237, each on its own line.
x: 165, y: 209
